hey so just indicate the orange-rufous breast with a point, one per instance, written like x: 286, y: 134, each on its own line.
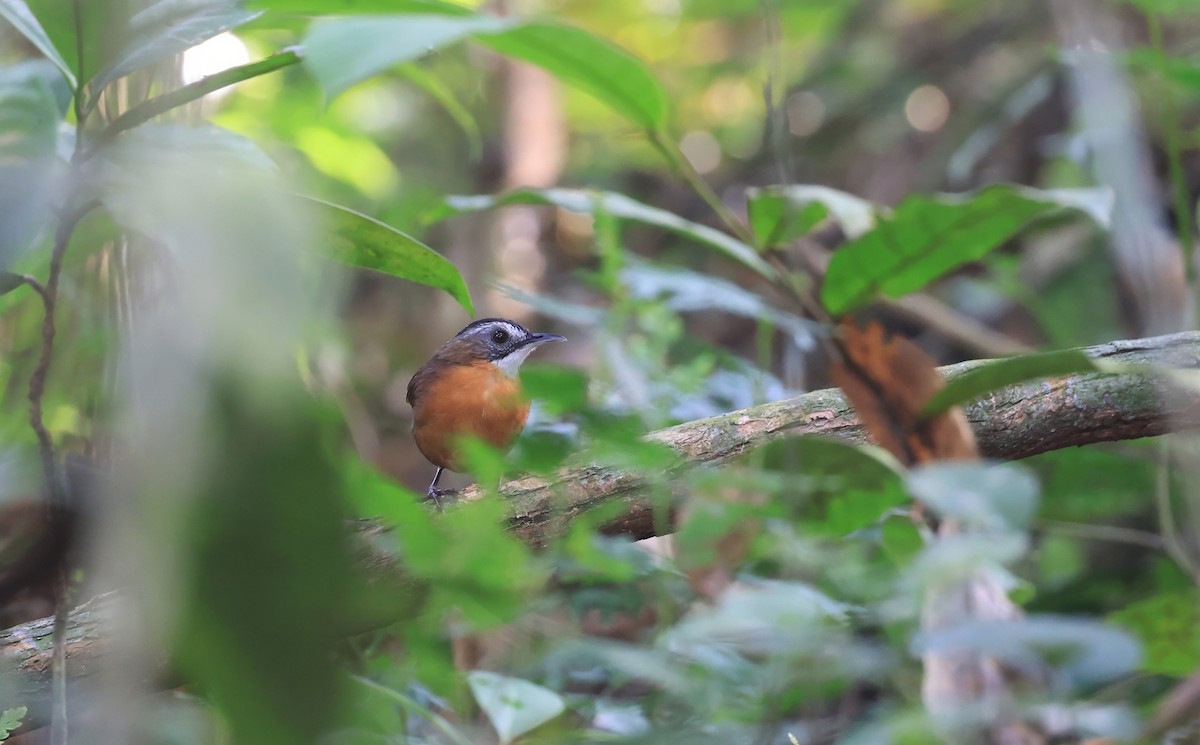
x: 476, y: 400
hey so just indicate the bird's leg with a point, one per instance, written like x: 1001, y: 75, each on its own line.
x: 435, y: 493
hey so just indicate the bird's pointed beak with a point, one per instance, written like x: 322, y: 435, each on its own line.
x: 539, y: 339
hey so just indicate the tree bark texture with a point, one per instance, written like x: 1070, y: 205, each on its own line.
x: 1015, y: 422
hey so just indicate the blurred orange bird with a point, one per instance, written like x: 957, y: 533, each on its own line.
x: 469, y: 388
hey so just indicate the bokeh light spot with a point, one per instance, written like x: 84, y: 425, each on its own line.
x: 927, y: 108
x: 806, y: 113
x: 702, y: 150
x: 219, y: 53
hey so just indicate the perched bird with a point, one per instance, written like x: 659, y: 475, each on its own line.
x: 469, y: 388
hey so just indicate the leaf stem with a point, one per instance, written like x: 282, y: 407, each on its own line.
x: 682, y: 166
x: 1112, y: 533
x: 28, y: 279
x: 37, y: 382
x: 1168, y: 526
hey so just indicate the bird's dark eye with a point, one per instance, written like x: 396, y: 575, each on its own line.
x: 499, y: 336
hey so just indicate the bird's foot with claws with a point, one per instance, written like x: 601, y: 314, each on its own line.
x: 437, y: 494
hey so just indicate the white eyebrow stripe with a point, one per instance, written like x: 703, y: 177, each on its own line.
x: 513, y: 330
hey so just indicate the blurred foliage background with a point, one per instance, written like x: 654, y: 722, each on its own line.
x: 246, y: 395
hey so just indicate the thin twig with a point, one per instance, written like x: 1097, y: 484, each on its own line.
x: 55, y: 488
x: 1172, y: 541
x: 1111, y: 533
x: 33, y: 282
x: 62, y: 618
x: 681, y: 165
x: 37, y: 382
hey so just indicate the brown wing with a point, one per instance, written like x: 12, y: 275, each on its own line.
x: 889, y: 381
x: 416, y: 387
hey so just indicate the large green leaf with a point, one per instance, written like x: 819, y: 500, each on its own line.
x: 1084, y: 651
x: 359, y: 240
x: 17, y: 13
x: 984, y: 496
x: 512, y: 705
x: 29, y: 116
x: 162, y: 35
x: 779, y: 214
x: 344, y: 51
x: 616, y: 205
x: 90, y: 41
x: 590, y: 64
x: 261, y: 611
x: 928, y: 236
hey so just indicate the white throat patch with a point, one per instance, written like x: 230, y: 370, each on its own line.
x: 512, y: 363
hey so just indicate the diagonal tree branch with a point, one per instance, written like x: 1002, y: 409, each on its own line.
x: 1015, y: 422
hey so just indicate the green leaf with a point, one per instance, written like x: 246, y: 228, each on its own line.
x: 1166, y: 7
x: 1083, y: 651
x: 589, y: 63
x: 10, y: 719
x: 847, y: 487
x: 513, y: 706
x: 344, y: 51
x: 617, y: 205
x: 125, y: 174
x: 87, y: 41
x: 1168, y: 626
x: 991, y: 376
x: 9, y: 281
x: 257, y: 631
x: 563, y: 387
x: 767, y: 617
x: 363, y: 241
x: 901, y: 540
x: 929, y: 236
x: 984, y: 496
x: 166, y: 35
x: 958, y: 558
x: 779, y: 214
x: 29, y: 116
x: 17, y: 13
x: 1179, y: 70
x: 360, y: 7
x: 151, y: 108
